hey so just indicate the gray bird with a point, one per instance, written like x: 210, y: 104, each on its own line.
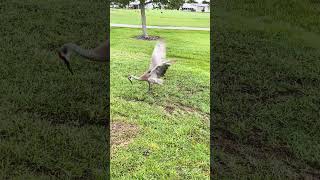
x: 158, y: 66
x: 100, y: 53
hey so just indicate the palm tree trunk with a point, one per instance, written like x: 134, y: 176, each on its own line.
x: 143, y: 19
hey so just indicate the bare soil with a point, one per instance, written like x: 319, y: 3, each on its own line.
x: 122, y: 134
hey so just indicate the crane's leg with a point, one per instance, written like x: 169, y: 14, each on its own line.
x: 149, y: 90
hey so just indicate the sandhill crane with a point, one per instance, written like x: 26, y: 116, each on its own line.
x: 100, y: 53
x: 158, y: 66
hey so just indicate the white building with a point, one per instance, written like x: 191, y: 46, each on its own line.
x: 136, y: 3
x: 196, y: 7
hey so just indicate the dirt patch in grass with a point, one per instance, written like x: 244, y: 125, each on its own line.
x: 148, y: 38
x: 171, y: 108
x: 135, y: 99
x: 255, y: 150
x: 122, y: 134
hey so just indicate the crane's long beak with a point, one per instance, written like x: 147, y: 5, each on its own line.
x: 130, y: 80
x: 66, y: 62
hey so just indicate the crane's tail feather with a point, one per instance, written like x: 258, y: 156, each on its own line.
x: 160, y: 81
x: 170, y: 62
x: 156, y: 81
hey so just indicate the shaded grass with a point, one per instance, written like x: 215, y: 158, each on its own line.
x: 156, y: 18
x: 52, y: 124
x: 173, y: 141
x: 302, y: 14
x: 266, y: 87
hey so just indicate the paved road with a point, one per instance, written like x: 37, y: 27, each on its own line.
x: 161, y: 27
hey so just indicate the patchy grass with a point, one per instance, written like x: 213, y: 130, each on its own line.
x: 266, y: 90
x: 122, y: 134
x: 52, y: 124
x: 156, y: 18
x: 173, y: 138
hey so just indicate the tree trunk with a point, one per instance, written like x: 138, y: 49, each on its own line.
x: 143, y: 19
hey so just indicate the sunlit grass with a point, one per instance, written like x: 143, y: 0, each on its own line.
x: 173, y: 141
x: 161, y: 18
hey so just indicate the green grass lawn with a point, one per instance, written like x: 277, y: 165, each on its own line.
x: 156, y: 18
x: 266, y: 89
x: 52, y: 124
x: 172, y: 141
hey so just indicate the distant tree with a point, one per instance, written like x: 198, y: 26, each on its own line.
x: 175, y: 4
x: 142, y: 7
x: 191, y: 1
x: 122, y: 3
x: 205, y: 2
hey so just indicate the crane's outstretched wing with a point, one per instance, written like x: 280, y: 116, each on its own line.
x: 158, y: 55
x: 158, y: 72
x: 161, y: 70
